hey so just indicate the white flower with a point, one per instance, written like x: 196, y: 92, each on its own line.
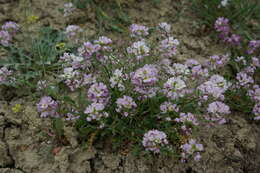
x: 117, y: 79
x: 175, y: 83
x: 178, y: 69
x: 68, y: 73
x: 165, y: 27
x: 139, y: 49
x: 224, y: 3
x: 77, y: 58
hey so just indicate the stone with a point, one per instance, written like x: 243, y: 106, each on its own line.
x: 9, y: 170
x: 5, y: 159
x: 111, y: 161
x: 71, y: 135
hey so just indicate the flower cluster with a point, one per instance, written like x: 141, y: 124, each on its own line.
x: 256, y: 111
x: 88, y: 49
x: 164, y: 27
x: 215, y: 86
x: 5, y: 75
x: 225, y: 34
x: 9, y: 29
x: 253, y: 46
x: 72, y: 60
x: 71, y: 116
x: 80, y: 81
x: 244, y: 80
x: 217, y: 61
x: 197, y: 71
x: 216, y: 110
x: 95, y: 111
x: 73, y: 78
x: 174, y: 87
x: 125, y: 105
x: 98, y: 92
x: 42, y: 84
x: 168, y: 46
x: 5, y: 38
x: 68, y: 9
x: 255, y: 62
x: 74, y: 73
x: 254, y: 93
x: 117, y: 79
x: 73, y: 33
x: 168, y: 107
x: 48, y: 107
x: 191, y: 148
x: 188, y: 120
x: 153, y: 140
x: 104, y: 42
x: 241, y: 59
x: 138, y: 30
x: 178, y: 69
x: 224, y: 3
x: 139, y: 49
x: 144, y: 79
x: 69, y: 73
x: 17, y: 108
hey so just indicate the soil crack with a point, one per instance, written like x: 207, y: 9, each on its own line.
x: 12, y: 164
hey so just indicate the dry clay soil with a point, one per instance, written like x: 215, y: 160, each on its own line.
x: 25, y: 147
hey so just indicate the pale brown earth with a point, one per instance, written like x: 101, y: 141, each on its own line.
x: 26, y: 147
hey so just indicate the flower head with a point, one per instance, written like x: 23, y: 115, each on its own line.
x: 217, y: 61
x: 191, y: 148
x: 187, y: 118
x: 95, y: 111
x: 98, y: 92
x: 125, y: 105
x: 165, y: 27
x: 5, y: 75
x: 88, y: 49
x: 168, y: 46
x: 215, y: 86
x: 5, y: 38
x: 139, y: 49
x: 117, y: 79
x: 253, y: 46
x: 174, y: 87
x: 68, y: 9
x: 244, y: 79
x: 255, y: 93
x: 153, y: 140
x: 73, y: 33
x: 256, y: 109
x: 218, y: 108
x: 10, y: 27
x: 47, y: 107
x: 17, y: 108
x: 145, y: 76
x: 138, y: 30
x: 167, y: 107
x: 222, y: 25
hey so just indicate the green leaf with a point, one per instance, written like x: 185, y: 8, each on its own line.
x: 69, y: 100
x: 58, y: 126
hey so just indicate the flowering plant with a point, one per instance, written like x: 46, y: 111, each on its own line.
x: 137, y: 94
